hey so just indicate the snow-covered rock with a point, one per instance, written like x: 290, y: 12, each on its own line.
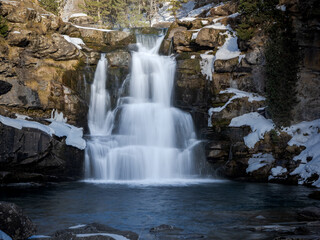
x: 259, y: 126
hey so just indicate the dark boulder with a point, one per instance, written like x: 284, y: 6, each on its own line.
x: 14, y: 223
x: 30, y: 155
x: 164, y: 228
x: 4, y: 87
x: 309, y: 214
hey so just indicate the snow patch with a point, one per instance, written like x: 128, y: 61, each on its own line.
x: 238, y: 94
x: 258, y: 161
x: 115, y: 236
x: 16, y: 32
x: 259, y: 126
x: 4, y: 236
x: 23, y: 117
x: 229, y: 49
x: 75, y: 41
x: 306, y: 134
x: 206, y: 64
x: 277, y: 171
x: 78, y: 15
x: 282, y: 8
x: 193, y: 57
x: 198, y: 11
x: 78, y: 226
x: 58, y: 117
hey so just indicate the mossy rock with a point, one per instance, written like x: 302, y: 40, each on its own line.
x: 190, y: 66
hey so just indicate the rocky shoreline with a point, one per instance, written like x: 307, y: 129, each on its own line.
x: 305, y: 224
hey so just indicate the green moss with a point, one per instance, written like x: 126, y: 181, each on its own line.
x: 71, y: 77
x: 3, y: 27
x: 274, y: 137
x: 220, y: 123
x: 50, y: 5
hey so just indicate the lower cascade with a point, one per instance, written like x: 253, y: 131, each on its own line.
x: 144, y: 137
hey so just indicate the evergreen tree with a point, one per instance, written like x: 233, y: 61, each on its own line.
x: 175, y: 5
x: 282, y: 67
x: 51, y: 5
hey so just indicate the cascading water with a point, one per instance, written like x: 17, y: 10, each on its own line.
x: 150, y: 140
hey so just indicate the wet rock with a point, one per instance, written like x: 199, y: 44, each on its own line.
x: 14, y: 223
x: 225, y: 66
x: 119, y: 38
x: 30, y: 155
x: 20, y: 95
x: 210, y: 37
x: 224, y: 10
x: 309, y: 214
x: 182, y: 38
x: 315, y: 195
x: 4, y: 87
x: 19, y: 38
x: 93, y: 231
x: 255, y: 57
x: 164, y: 228
x: 118, y: 58
x: 82, y: 20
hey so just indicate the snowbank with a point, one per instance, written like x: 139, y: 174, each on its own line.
x: 59, y: 128
x: 75, y: 41
x: 258, y: 161
x: 306, y: 134
x: 259, y: 126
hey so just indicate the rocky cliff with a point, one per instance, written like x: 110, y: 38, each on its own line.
x: 221, y: 82
x: 47, y: 64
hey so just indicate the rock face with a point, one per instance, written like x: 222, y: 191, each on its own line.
x: 30, y: 155
x: 202, y: 80
x: 34, y: 59
x: 14, y: 223
x: 71, y: 7
x: 306, y: 25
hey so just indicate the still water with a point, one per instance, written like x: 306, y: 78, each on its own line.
x: 213, y: 210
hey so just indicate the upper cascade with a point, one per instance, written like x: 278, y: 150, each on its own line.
x: 144, y: 138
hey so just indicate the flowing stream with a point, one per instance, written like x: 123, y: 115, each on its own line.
x: 144, y: 138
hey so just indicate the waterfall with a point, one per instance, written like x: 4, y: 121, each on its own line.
x: 144, y: 137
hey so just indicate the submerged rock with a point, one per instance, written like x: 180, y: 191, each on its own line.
x: 14, y: 223
x: 315, y: 195
x: 94, y: 231
x: 309, y: 214
x: 164, y: 228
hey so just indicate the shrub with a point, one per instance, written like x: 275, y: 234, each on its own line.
x: 50, y: 5
x: 3, y: 27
